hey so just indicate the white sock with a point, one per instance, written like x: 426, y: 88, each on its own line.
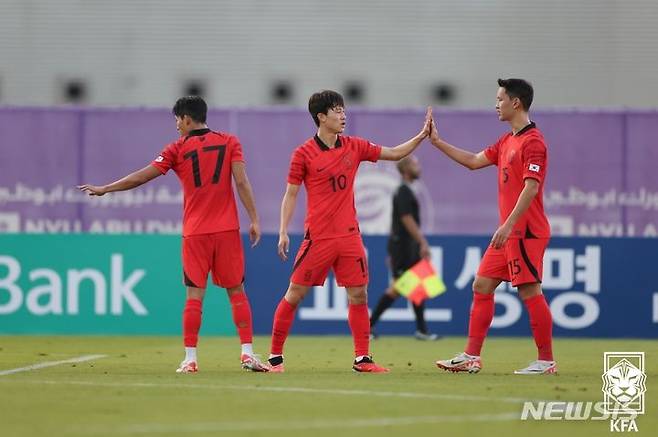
x: 247, y: 349
x: 190, y: 354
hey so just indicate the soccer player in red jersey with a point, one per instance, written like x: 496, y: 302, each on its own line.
x: 204, y: 162
x: 327, y: 164
x: 517, y: 247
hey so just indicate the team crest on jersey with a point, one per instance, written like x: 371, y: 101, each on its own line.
x: 347, y: 162
x: 511, y: 156
x: 534, y: 167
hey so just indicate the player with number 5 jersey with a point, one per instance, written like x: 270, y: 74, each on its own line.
x: 205, y: 162
x: 516, y: 251
x: 327, y: 164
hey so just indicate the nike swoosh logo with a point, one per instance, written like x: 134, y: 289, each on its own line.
x: 320, y: 169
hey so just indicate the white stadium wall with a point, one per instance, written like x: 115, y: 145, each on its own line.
x: 394, y: 53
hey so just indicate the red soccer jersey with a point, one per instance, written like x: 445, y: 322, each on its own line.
x: 202, y: 161
x: 328, y: 174
x: 519, y: 157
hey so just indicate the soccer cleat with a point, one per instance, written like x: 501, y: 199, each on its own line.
x: 367, y: 365
x: 425, y: 336
x: 539, y: 367
x: 251, y: 362
x: 461, y: 363
x: 275, y: 364
x: 276, y: 369
x: 187, y: 367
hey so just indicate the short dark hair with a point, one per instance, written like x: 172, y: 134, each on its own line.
x: 518, y: 88
x: 322, y: 101
x: 192, y: 106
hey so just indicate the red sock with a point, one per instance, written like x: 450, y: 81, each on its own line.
x: 283, y: 318
x: 482, y: 312
x: 541, y: 323
x: 359, y: 322
x: 242, y: 316
x: 191, y: 322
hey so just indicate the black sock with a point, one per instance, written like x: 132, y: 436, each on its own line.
x: 275, y: 361
x: 384, y: 303
x: 419, y: 310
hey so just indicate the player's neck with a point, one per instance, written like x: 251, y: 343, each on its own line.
x: 197, y: 126
x: 519, y: 121
x: 328, y: 138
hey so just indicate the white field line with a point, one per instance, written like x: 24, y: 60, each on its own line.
x: 51, y: 364
x: 187, y: 428
x: 307, y: 390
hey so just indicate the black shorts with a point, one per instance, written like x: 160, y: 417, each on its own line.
x: 404, y: 255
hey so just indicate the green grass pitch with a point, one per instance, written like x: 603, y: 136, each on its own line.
x: 134, y: 391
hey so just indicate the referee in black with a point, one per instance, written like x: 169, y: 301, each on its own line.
x: 406, y: 245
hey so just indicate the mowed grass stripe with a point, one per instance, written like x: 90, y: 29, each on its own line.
x: 161, y: 428
x: 306, y: 390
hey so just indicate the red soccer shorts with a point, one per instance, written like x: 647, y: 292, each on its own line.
x: 219, y: 253
x: 346, y: 255
x: 520, y: 261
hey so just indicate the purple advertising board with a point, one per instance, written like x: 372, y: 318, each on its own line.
x: 601, y: 179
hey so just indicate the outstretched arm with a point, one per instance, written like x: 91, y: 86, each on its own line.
x: 246, y: 194
x: 470, y: 160
x: 133, y: 180
x: 287, y: 209
x: 400, y: 151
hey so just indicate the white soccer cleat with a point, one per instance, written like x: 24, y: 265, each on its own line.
x: 187, y: 367
x: 539, y: 367
x: 461, y: 363
x: 251, y: 362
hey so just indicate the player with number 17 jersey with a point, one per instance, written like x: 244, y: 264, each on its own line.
x: 208, y: 204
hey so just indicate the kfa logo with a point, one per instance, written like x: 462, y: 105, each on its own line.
x: 624, y: 385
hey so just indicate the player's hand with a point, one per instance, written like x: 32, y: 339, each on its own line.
x: 254, y: 234
x: 427, y: 126
x: 500, y: 237
x: 92, y: 190
x: 284, y: 244
x: 434, y: 133
x: 425, y: 252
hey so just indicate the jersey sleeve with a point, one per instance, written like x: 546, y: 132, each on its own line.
x: 166, y: 159
x: 236, y: 150
x: 493, y: 151
x: 534, y: 160
x: 297, y: 170
x: 404, y: 200
x: 368, y: 151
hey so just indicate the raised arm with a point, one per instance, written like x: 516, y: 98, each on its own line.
x: 246, y: 194
x: 470, y: 160
x: 287, y: 209
x: 400, y: 151
x: 133, y: 180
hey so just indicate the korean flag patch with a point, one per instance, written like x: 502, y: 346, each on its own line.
x: 159, y: 159
x: 534, y: 167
